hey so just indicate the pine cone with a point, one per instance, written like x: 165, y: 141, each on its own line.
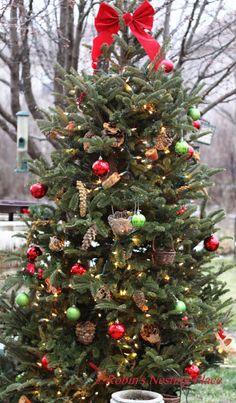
x: 150, y: 333
x: 140, y: 300
x: 83, y: 198
x: 182, y: 189
x: 85, y: 332
x: 89, y: 237
x: 164, y: 139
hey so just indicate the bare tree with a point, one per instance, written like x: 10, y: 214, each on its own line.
x: 35, y: 37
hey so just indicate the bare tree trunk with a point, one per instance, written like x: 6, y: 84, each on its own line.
x: 166, y: 32
x: 25, y: 58
x: 61, y: 54
x: 15, y: 59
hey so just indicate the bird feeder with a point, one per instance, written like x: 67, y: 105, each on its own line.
x: 22, y: 141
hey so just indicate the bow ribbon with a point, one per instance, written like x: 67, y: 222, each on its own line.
x: 107, y: 24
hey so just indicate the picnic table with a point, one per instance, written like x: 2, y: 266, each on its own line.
x: 12, y: 207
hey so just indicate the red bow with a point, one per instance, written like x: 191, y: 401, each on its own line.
x: 107, y: 24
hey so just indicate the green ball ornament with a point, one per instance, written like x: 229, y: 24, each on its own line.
x: 22, y: 299
x: 194, y: 113
x: 73, y: 313
x: 180, y: 307
x: 181, y: 147
x: 138, y: 220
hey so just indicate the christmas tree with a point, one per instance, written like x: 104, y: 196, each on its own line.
x: 115, y: 280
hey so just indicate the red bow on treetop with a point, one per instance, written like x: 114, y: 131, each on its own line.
x: 107, y: 24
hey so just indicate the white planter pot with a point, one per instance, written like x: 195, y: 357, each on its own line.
x: 136, y: 396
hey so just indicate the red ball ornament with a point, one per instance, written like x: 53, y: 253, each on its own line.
x: 77, y: 269
x: 193, y: 371
x: 31, y: 268
x: 211, y: 243
x: 45, y: 363
x: 33, y: 252
x: 100, y: 167
x: 190, y: 153
x: 168, y: 65
x: 184, y: 318
x: 196, y: 124
x: 40, y: 274
x: 25, y: 210
x: 116, y: 331
x: 182, y: 210
x: 38, y: 190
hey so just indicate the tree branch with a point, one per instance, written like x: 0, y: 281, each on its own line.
x: 222, y: 98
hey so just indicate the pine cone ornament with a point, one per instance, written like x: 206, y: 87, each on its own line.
x: 85, y: 332
x: 164, y: 139
x: 55, y: 244
x: 140, y: 300
x: 150, y: 333
x: 83, y: 198
x: 89, y: 237
x: 103, y: 293
x: 182, y: 189
x: 110, y: 130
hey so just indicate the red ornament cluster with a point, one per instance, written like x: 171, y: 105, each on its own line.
x: 80, y: 99
x: 182, y: 210
x: 116, y: 331
x: 211, y: 243
x: 31, y: 268
x: 100, y: 168
x: 33, y: 252
x: 40, y: 274
x: 78, y: 270
x: 193, y: 371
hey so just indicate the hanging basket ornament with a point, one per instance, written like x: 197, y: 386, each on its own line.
x: 85, y: 332
x: 120, y: 223
x: 56, y: 244
x: 150, y: 332
x: 103, y: 293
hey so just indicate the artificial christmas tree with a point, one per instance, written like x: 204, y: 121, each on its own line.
x: 142, y: 299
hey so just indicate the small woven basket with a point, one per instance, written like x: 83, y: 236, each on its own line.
x: 164, y: 257
x: 171, y: 399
